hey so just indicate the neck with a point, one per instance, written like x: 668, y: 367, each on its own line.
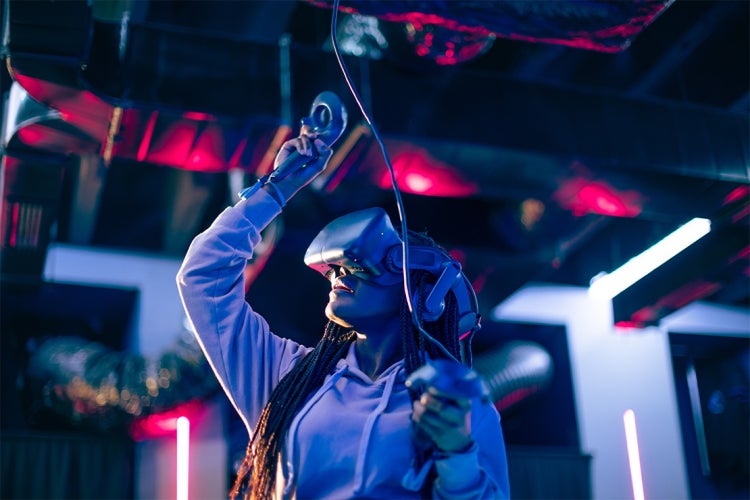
x: 377, y: 351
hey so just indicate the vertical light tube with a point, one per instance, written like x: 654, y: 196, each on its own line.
x: 183, y: 457
x: 634, y: 457
x: 695, y: 406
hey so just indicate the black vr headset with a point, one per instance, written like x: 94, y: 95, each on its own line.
x: 367, y: 245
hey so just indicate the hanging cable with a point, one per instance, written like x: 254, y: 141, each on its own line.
x: 396, y: 191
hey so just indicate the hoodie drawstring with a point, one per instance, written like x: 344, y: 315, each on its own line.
x: 288, y: 467
x: 369, y: 424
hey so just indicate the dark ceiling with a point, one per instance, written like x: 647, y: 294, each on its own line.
x: 541, y: 141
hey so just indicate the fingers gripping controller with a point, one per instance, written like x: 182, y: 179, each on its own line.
x: 449, y: 379
x: 302, y: 159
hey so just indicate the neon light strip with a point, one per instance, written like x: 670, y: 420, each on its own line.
x: 634, y: 457
x: 183, y: 457
x: 609, y: 285
x: 695, y: 406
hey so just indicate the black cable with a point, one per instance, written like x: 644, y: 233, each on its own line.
x: 396, y: 191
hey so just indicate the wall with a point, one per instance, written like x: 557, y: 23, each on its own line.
x: 159, y: 310
x: 160, y: 320
x: 616, y: 370
x: 704, y: 319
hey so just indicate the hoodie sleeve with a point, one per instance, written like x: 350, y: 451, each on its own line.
x: 482, y: 471
x: 246, y: 357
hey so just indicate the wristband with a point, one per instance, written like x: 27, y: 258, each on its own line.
x: 263, y: 181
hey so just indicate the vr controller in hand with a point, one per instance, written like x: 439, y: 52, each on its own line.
x: 305, y: 157
x: 327, y: 119
x: 449, y: 379
x: 325, y: 124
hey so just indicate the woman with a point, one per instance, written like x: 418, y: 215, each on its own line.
x: 338, y: 420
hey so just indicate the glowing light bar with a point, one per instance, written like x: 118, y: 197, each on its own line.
x: 634, y: 457
x: 610, y: 285
x: 183, y: 457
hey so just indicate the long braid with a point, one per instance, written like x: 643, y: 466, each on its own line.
x: 415, y: 344
x: 257, y: 474
x: 444, y: 330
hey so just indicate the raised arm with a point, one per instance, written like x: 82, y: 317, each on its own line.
x: 245, y: 356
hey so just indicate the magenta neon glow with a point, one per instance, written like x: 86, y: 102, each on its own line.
x: 183, y: 457
x: 634, y: 457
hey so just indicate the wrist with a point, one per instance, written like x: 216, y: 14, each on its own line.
x: 467, y: 448
x: 457, y: 472
x: 269, y: 187
x: 273, y: 190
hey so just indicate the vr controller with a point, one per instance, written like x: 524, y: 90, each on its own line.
x: 327, y: 118
x: 367, y: 245
x: 327, y: 121
x: 449, y: 379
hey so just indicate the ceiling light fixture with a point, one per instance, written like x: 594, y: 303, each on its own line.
x: 607, y: 286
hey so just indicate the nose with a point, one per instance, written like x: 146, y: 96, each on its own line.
x: 336, y: 272
x: 341, y: 271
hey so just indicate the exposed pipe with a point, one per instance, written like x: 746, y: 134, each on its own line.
x: 515, y: 372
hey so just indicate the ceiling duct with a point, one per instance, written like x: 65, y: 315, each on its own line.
x: 176, y: 72
x: 451, y: 32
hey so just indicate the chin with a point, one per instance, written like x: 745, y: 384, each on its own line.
x: 331, y: 315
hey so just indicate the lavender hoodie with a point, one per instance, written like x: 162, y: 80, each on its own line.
x: 352, y: 438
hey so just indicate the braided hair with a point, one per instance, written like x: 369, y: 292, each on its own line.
x: 256, y: 476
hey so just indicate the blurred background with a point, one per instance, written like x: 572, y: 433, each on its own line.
x: 542, y: 142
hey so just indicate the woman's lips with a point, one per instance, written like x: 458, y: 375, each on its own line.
x: 340, y: 285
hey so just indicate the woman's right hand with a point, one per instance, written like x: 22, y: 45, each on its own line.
x: 298, y: 162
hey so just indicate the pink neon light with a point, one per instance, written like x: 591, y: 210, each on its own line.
x: 183, y: 457
x: 737, y: 194
x: 418, y: 183
x: 634, y: 457
x: 583, y: 196
x: 418, y: 172
x: 33, y: 135
x: 198, y: 116
x: 164, y: 424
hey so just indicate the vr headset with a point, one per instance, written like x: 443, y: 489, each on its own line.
x: 367, y: 245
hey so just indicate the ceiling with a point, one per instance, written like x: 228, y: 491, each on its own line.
x: 538, y: 141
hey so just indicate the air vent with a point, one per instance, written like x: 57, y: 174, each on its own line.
x: 31, y: 196
x: 24, y: 223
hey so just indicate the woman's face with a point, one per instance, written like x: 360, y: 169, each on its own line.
x: 361, y: 304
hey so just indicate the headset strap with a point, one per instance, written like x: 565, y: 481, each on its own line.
x: 450, y: 277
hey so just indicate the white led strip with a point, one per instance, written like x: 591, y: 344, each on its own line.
x: 610, y: 285
x: 634, y: 456
x: 183, y: 457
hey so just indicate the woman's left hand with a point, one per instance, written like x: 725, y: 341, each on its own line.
x: 445, y: 420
